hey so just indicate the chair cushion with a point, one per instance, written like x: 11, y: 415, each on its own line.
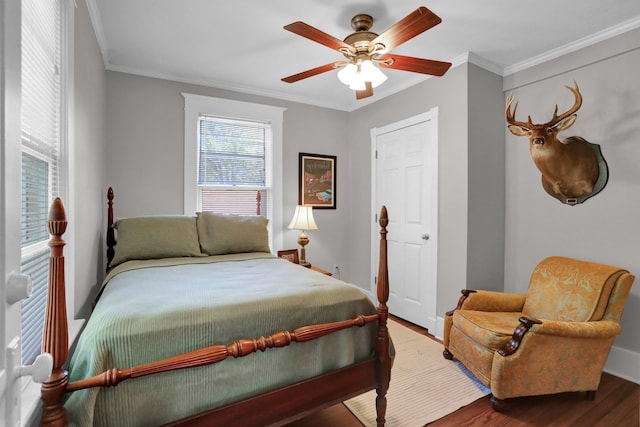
x: 491, y: 329
x: 570, y: 290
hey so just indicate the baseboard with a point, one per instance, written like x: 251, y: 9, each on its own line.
x: 439, y: 332
x: 623, y: 363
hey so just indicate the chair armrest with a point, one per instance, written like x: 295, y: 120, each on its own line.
x: 480, y: 300
x: 588, y: 330
x: 518, y: 334
x: 602, y: 329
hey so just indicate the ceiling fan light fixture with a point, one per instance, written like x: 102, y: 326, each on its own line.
x: 355, y: 76
x: 364, y: 48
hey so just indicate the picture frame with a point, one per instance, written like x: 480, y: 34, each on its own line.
x: 290, y: 255
x: 317, y: 180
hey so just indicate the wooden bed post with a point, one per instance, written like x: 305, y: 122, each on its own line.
x: 111, y: 238
x: 382, y: 342
x: 55, y: 340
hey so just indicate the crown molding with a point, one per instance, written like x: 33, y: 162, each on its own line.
x: 224, y: 86
x: 473, y: 58
x: 96, y: 22
x: 590, y: 40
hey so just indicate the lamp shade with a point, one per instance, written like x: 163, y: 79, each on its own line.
x: 347, y: 74
x: 371, y: 73
x: 355, y: 76
x: 303, y: 219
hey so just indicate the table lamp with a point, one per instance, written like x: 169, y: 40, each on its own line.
x: 303, y: 220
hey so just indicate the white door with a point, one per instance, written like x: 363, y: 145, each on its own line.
x: 405, y: 180
x: 14, y: 286
x: 9, y: 205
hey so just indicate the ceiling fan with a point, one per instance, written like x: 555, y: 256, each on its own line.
x: 364, y: 48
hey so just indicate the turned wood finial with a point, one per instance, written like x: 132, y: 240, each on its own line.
x: 56, y: 211
x: 384, y: 218
x: 57, y: 222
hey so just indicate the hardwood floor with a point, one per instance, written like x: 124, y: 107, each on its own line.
x: 617, y: 404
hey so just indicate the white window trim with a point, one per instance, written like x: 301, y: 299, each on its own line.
x: 196, y: 105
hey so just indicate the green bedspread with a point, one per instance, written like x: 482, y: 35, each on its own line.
x: 156, y: 309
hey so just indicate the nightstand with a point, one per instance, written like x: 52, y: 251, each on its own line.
x: 319, y: 270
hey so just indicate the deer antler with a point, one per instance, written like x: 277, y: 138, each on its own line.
x: 576, y: 106
x: 511, y: 117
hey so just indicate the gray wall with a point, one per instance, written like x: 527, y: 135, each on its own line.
x: 485, y: 238
x: 89, y: 168
x: 145, y: 134
x: 604, y: 228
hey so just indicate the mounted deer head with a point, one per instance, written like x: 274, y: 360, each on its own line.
x: 572, y: 169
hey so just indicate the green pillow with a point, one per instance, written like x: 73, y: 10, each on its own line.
x: 153, y: 237
x: 230, y: 234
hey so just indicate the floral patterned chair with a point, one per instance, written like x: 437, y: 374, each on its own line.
x: 555, y: 338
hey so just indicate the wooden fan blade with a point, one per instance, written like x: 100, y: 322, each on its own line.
x: 312, y: 72
x: 416, y: 65
x: 367, y: 92
x: 312, y: 33
x: 418, y: 21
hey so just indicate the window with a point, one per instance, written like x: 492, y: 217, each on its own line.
x: 233, y: 166
x: 42, y: 162
x: 233, y: 159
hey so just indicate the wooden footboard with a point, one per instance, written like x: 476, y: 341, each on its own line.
x: 278, y: 406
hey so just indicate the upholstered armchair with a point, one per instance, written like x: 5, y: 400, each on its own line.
x: 555, y: 338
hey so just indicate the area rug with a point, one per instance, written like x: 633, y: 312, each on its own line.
x: 424, y: 385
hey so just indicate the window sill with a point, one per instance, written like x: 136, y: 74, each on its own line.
x: 31, y: 405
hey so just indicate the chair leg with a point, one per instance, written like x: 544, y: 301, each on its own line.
x: 447, y: 354
x: 498, y: 405
x: 591, y: 395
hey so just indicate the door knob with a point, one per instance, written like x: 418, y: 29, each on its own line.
x: 425, y: 237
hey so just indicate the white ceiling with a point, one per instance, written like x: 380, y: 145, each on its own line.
x: 241, y: 45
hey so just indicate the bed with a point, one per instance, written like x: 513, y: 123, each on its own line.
x: 216, y: 332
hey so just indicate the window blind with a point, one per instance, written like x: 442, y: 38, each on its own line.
x: 240, y: 202
x: 231, y: 152
x: 40, y: 121
x: 232, y: 175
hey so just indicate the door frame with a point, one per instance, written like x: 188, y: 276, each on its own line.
x: 432, y: 116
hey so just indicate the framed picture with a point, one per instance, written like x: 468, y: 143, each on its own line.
x: 317, y: 181
x: 290, y: 255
